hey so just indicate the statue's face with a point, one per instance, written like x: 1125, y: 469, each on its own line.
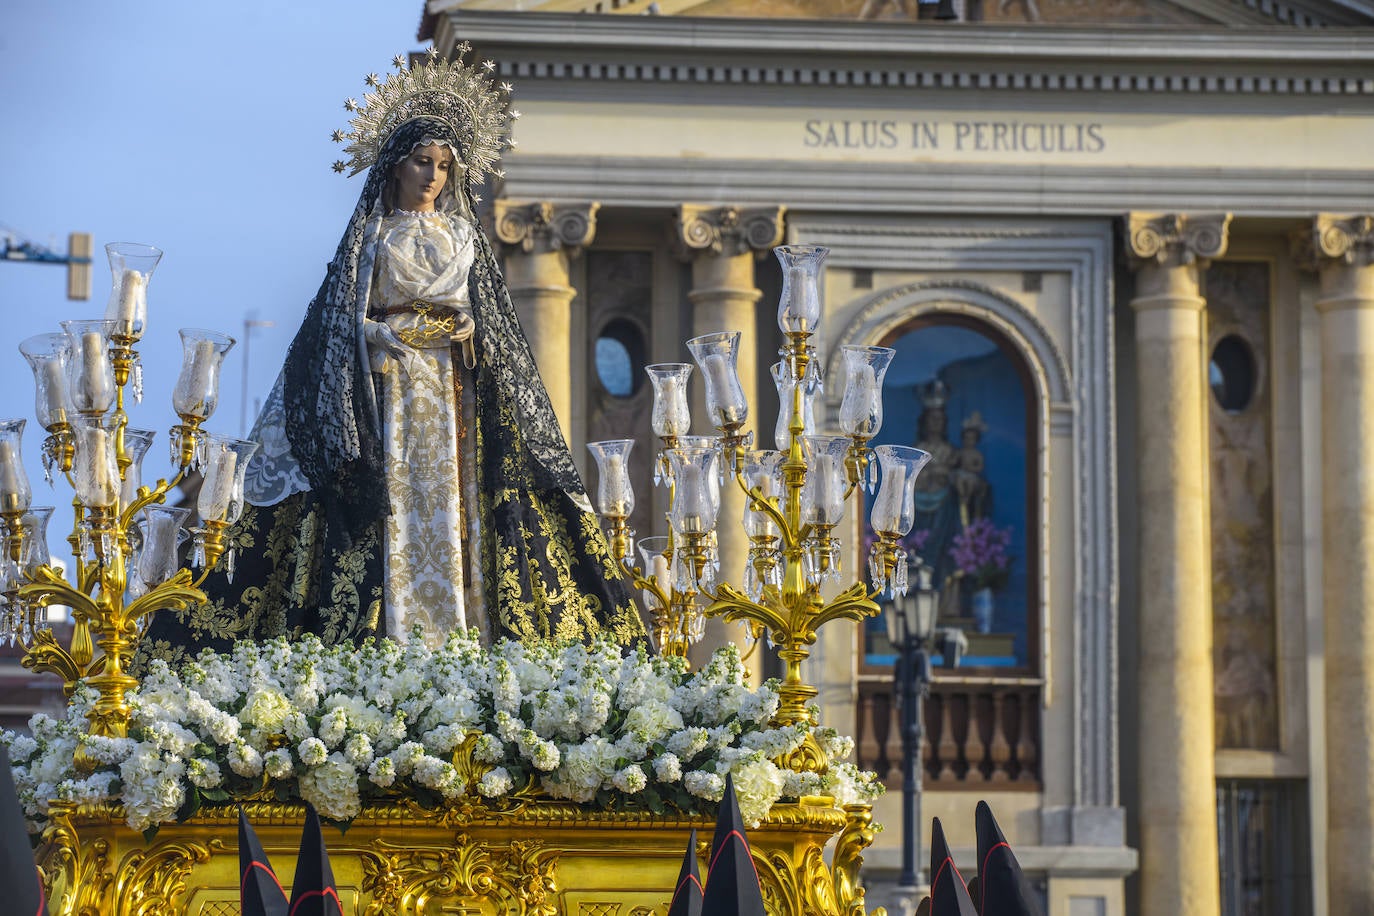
x: 421, y: 176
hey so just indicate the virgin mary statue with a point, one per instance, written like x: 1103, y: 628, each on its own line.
x: 411, y: 476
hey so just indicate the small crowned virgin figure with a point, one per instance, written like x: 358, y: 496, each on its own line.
x: 411, y: 476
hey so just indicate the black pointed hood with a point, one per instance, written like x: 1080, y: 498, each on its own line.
x: 313, y: 892
x: 948, y: 894
x: 1005, y: 890
x: 18, y: 868
x: 732, y: 884
x: 260, y: 893
x: 687, y: 892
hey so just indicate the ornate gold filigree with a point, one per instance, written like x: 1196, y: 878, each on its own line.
x: 858, y: 834
x: 152, y: 882
x: 518, y: 880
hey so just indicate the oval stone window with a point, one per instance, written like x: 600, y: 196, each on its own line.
x: 620, y: 358
x: 1232, y: 373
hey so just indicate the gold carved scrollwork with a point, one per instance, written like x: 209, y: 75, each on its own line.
x: 79, y: 881
x: 151, y: 882
x: 542, y: 226
x: 858, y: 834
x: 518, y: 880
x: 75, y: 878
x: 726, y: 231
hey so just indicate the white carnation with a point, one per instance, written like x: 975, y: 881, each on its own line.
x: 494, y: 783
x: 278, y: 764
x: 313, y: 752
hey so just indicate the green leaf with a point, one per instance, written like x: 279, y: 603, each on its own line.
x: 149, y: 833
x: 215, y: 795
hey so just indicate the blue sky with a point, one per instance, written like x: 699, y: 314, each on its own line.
x: 202, y: 129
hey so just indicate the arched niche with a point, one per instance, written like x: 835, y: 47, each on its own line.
x: 1002, y: 384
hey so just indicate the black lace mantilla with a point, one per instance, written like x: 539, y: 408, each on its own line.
x: 329, y: 401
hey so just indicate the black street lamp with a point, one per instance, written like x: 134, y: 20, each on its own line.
x: 911, y: 628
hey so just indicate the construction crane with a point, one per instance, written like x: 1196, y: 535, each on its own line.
x: 77, y: 259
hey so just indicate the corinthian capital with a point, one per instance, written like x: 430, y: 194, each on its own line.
x: 542, y: 226
x: 1175, y: 239
x: 1336, y: 239
x: 726, y: 231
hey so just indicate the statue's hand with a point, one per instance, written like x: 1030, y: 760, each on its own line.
x: 463, y: 327
x: 384, y: 346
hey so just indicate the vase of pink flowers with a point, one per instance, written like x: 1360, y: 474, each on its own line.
x: 980, y: 554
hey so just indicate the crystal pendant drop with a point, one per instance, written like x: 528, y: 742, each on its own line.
x: 174, y: 448
x: 899, y: 582
x: 229, y: 565
x: 707, y: 582
x: 872, y: 476
x: 695, y: 627
x: 810, y: 562
x: 136, y: 377
x: 753, y: 585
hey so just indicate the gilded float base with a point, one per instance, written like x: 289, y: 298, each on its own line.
x: 542, y: 859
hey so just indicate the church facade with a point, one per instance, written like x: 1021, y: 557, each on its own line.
x: 1125, y: 252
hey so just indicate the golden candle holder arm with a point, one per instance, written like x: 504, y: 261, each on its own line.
x: 769, y: 505
x: 149, y: 496
x: 177, y: 593
x: 45, y: 656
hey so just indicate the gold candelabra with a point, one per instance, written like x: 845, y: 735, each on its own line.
x: 796, y: 497
x: 124, y: 539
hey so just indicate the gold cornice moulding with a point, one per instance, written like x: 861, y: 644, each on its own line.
x: 541, y: 859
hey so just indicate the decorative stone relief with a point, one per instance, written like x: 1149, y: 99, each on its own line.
x: 1175, y: 239
x: 725, y: 231
x: 541, y: 227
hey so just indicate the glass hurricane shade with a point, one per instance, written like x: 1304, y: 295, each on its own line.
x: 95, y: 468
x: 718, y: 357
x: 221, y: 493
x: 196, y: 393
x: 131, y: 267
x: 696, y: 494
x: 162, y: 535
x: 46, y: 355
x: 861, y: 409
x: 15, y: 493
x: 136, y: 445
x: 762, y: 472
x: 782, y: 381
x: 653, y: 551
x: 823, y: 494
x: 614, y: 494
x: 894, y: 509
x: 34, y: 552
x: 90, y: 373
x: 801, y: 302
x: 671, y: 415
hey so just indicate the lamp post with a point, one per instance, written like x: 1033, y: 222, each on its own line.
x: 911, y: 627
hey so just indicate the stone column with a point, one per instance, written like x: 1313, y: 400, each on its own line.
x: 538, y: 240
x: 722, y: 244
x: 1341, y: 249
x: 1178, y: 827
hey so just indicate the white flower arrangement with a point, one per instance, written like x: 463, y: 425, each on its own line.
x: 343, y: 726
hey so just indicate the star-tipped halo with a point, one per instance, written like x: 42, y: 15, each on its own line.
x: 455, y: 91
